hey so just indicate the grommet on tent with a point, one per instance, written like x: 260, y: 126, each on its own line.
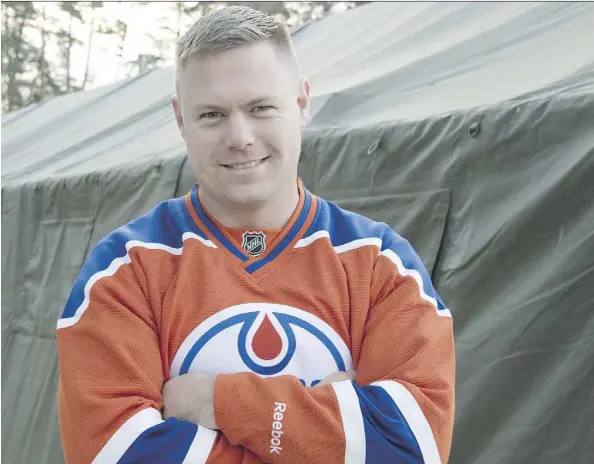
x: 374, y: 146
x: 474, y: 129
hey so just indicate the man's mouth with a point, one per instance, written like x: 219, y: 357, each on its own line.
x: 246, y: 165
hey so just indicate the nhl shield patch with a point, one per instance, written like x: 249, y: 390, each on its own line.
x: 254, y: 242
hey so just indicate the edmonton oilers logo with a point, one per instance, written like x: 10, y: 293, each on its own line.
x: 267, y: 339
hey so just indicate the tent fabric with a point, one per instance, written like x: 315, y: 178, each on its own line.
x: 366, y: 70
x: 468, y: 127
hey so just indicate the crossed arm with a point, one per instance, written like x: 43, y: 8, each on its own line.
x: 113, y: 391
x: 398, y: 411
x: 191, y: 397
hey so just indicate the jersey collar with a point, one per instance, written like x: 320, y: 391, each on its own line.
x: 281, y: 247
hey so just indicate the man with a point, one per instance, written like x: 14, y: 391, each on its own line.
x: 225, y: 326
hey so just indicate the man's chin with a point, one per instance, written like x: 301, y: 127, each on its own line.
x: 248, y: 196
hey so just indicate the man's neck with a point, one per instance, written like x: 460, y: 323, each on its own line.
x: 273, y: 214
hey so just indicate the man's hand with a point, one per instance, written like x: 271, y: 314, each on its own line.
x: 190, y: 397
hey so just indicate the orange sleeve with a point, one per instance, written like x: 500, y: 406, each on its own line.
x: 400, y: 409
x: 406, y: 370
x: 111, y: 375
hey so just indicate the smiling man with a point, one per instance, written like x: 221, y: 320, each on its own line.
x: 240, y: 110
x: 250, y: 320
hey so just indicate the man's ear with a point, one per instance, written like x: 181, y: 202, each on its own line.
x: 178, y: 116
x: 304, y: 101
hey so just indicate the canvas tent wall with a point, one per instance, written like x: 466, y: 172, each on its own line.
x: 466, y: 126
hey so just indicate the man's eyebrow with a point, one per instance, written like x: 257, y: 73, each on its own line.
x: 212, y: 107
x: 258, y: 100
x: 202, y: 107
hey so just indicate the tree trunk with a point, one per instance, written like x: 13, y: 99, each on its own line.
x: 91, y: 33
x: 10, y: 62
x: 15, y: 98
x: 68, y: 53
x: 37, y: 87
x: 42, y: 61
x: 121, y: 54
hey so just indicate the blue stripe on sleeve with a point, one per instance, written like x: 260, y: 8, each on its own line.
x: 388, y: 435
x: 167, y: 442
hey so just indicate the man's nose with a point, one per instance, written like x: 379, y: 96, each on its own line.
x: 240, y: 132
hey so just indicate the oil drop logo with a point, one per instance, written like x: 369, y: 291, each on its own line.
x: 267, y: 339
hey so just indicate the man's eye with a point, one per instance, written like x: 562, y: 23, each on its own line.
x: 262, y: 108
x: 210, y: 115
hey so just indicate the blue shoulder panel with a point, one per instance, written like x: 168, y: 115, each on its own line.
x: 164, y: 225
x: 345, y: 226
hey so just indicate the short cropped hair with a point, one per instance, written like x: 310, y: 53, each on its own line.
x: 228, y: 28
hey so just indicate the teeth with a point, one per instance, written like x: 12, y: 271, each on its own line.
x: 251, y: 164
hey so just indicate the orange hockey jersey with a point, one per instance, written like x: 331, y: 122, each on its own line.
x: 173, y: 292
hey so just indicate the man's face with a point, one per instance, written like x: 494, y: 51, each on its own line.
x: 240, y: 113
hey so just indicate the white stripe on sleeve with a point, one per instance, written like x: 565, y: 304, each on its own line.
x: 201, y: 446
x: 120, y: 441
x: 352, y: 422
x: 415, y: 418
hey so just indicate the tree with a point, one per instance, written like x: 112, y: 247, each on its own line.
x: 43, y: 85
x: 120, y: 31
x: 143, y: 63
x: 181, y: 15
x: 30, y: 73
x: 18, y: 53
x: 94, y: 7
x: 67, y: 40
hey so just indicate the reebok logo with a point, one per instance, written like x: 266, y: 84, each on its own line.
x: 277, y: 427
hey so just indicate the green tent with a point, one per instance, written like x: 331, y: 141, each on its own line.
x: 469, y: 127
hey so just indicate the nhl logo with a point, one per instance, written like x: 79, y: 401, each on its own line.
x: 254, y: 243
